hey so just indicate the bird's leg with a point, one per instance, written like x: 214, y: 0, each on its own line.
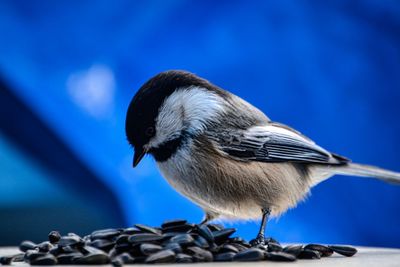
x: 260, y: 239
x: 209, y: 217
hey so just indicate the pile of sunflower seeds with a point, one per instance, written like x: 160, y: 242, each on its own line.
x: 175, y: 241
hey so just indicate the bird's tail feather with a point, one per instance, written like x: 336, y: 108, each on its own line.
x: 368, y: 171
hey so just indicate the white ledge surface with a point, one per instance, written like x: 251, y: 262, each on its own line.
x: 365, y: 257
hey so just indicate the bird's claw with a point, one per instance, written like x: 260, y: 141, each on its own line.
x: 258, y: 241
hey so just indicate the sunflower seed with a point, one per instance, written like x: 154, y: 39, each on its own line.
x: 170, y: 223
x: 54, y: 237
x: 295, y: 250
x: 309, y: 254
x: 45, y: 246
x: 131, y: 231
x: 91, y: 250
x: 240, y: 247
x: 183, y: 239
x: 274, y: 247
x: 33, y: 254
x: 126, y: 258
x: 226, y: 256
x: 175, y: 247
x: 148, y: 229
x: 20, y: 257
x: 251, y: 254
x: 324, y: 250
x: 47, y: 259
x: 239, y: 240
x: 279, y: 256
x: 67, y: 249
x: 92, y: 258
x: 68, y: 258
x: 117, y: 262
x: 205, y: 232
x: 147, y: 237
x: 70, y: 240
x: 228, y: 248
x: 104, y: 234
x: 122, y: 239
x: 163, y: 256
x: 344, y: 250
x: 183, y: 258
x: 270, y: 239
x: 27, y: 245
x: 201, y: 242
x: 148, y: 249
x: 102, y: 244
x: 182, y: 228
x: 199, y: 254
x: 221, y: 236
x: 6, y: 260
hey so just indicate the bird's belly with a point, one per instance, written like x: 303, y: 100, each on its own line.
x: 235, y: 189
x: 191, y: 181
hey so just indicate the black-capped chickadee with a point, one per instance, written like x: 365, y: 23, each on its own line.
x: 226, y: 155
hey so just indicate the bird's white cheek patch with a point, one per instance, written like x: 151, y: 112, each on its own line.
x: 199, y: 106
x: 187, y: 108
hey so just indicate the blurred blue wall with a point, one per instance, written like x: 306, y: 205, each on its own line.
x: 330, y: 69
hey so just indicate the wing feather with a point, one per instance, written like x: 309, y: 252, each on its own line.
x: 273, y: 143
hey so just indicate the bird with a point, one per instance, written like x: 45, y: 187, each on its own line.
x: 226, y: 155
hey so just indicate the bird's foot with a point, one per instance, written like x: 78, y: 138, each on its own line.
x: 258, y: 241
x: 264, y: 243
x: 270, y: 240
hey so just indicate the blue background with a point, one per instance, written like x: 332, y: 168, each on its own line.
x: 330, y: 69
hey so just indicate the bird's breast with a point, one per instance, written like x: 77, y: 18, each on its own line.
x: 185, y: 175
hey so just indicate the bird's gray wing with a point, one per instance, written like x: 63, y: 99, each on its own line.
x: 272, y: 143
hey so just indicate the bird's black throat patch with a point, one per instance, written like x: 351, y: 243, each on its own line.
x: 167, y: 149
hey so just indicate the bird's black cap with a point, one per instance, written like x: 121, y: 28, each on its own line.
x: 144, y: 107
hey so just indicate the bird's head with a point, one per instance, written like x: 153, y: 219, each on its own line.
x: 167, y: 109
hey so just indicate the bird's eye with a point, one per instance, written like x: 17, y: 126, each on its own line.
x: 149, y: 131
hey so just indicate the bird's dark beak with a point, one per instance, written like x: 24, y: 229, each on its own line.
x: 139, y: 153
